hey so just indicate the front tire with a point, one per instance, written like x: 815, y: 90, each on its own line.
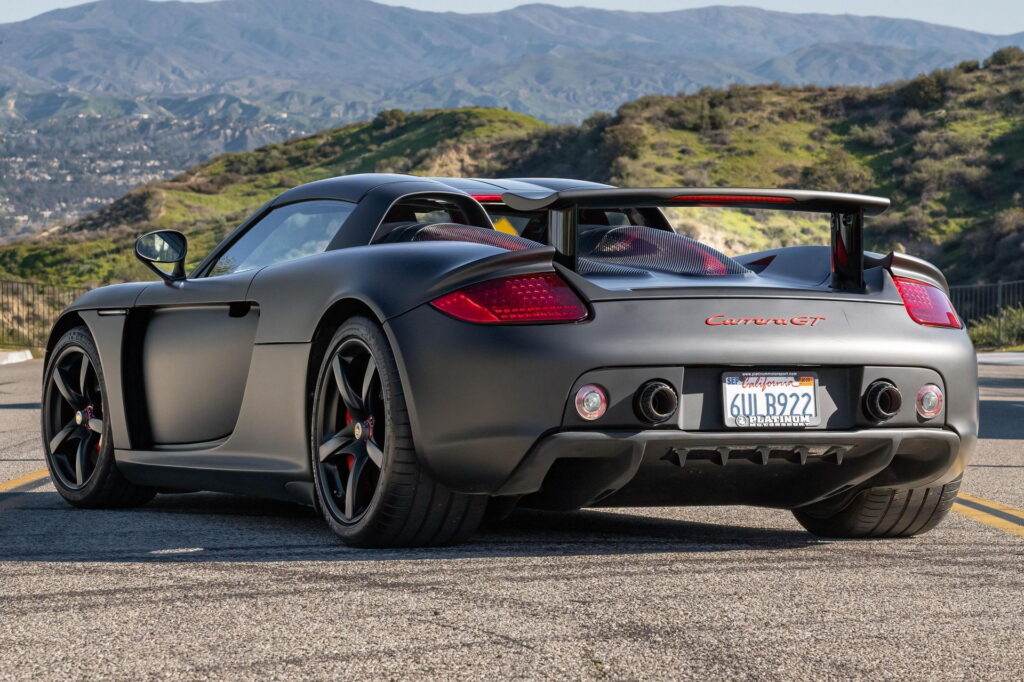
x: 882, y: 513
x: 76, y: 431
x: 369, y: 483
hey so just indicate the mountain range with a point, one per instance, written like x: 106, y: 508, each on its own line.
x: 97, y: 98
x: 946, y: 147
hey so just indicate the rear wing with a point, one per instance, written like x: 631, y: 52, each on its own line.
x: 847, y: 211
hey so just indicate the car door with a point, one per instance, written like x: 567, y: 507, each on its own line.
x: 198, y: 334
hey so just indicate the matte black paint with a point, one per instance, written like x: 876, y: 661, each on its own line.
x: 490, y: 406
x: 194, y: 362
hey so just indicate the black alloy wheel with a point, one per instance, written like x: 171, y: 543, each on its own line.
x: 73, y: 420
x: 367, y: 477
x: 352, y: 432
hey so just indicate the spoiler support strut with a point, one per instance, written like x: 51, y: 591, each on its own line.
x: 562, y: 225
x: 848, y: 251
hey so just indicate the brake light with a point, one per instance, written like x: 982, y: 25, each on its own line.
x: 486, y: 197
x: 927, y: 304
x: 732, y: 199
x: 523, y: 299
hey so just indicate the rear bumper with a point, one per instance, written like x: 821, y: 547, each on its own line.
x: 485, y: 400
x: 774, y: 469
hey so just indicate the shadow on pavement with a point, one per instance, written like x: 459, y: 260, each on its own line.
x: 1001, y: 382
x: 208, y: 527
x: 1002, y: 419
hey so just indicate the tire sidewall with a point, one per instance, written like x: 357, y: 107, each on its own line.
x: 78, y: 338
x: 368, y: 526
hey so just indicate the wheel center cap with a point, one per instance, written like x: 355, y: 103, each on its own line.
x: 357, y: 431
x: 83, y: 417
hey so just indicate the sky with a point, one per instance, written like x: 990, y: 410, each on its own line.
x: 988, y: 16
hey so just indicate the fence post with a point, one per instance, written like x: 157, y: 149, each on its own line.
x: 999, y: 307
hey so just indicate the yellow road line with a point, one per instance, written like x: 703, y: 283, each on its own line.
x: 23, y: 480
x: 992, y: 514
x: 995, y: 505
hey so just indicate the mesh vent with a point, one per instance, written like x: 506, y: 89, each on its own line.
x: 649, y: 249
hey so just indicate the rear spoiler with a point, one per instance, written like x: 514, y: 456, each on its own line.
x: 847, y: 211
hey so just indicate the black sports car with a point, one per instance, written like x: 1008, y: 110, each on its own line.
x: 372, y: 346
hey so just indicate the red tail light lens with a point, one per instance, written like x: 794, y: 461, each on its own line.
x: 719, y: 199
x: 486, y: 197
x: 927, y: 304
x: 523, y: 299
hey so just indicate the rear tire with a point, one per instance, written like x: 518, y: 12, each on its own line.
x: 882, y: 513
x: 394, y: 500
x: 76, y: 430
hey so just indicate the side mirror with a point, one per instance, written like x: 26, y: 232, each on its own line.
x: 164, y: 247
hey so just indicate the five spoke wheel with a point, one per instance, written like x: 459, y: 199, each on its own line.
x: 74, y: 417
x: 351, y: 431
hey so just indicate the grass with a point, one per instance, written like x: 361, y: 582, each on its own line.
x: 1005, y: 331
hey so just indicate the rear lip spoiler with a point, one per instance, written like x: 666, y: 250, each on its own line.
x: 847, y: 211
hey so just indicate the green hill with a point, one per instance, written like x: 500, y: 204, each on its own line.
x: 947, y: 147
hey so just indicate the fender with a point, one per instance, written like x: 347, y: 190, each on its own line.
x: 904, y: 265
x: 390, y: 279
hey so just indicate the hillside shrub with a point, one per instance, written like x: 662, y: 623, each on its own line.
x: 839, y: 171
x: 1004, y: 56
x: 626, y: 139
x: 999, y: 330
x: 1009, y: 221
x: 390, y: 119
x: 876, y: 136
x: 913, y: 121
x: 924, y: 92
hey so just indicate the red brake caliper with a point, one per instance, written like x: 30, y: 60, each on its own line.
x: 349, y: 459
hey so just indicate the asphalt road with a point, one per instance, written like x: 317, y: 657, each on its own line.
x: 214, y: 586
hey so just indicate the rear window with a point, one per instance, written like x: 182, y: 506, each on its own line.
x: 534, y: 224
x: 529, y: 224
x: 424, y: 211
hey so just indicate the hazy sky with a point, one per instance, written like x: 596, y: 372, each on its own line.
x: 990, y: 16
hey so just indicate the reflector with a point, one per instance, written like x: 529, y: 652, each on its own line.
x: 523, y: 299
x: 927, y: 304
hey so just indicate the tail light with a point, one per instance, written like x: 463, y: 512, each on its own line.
x: 927, y: 304
x: 721, y: 199
x: 523, y: 299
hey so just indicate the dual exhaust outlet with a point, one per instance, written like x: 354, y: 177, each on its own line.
x: 656, y: 401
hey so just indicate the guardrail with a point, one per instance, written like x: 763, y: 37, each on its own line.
x: 28, y: 309
x: 974, y: 301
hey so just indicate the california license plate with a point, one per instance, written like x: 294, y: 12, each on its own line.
x: 770, y: 399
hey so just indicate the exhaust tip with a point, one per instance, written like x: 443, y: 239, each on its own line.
x: 656, y: 402
x: 882, y: 401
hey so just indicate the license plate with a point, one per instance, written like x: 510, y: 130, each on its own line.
x: 770, y: 399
